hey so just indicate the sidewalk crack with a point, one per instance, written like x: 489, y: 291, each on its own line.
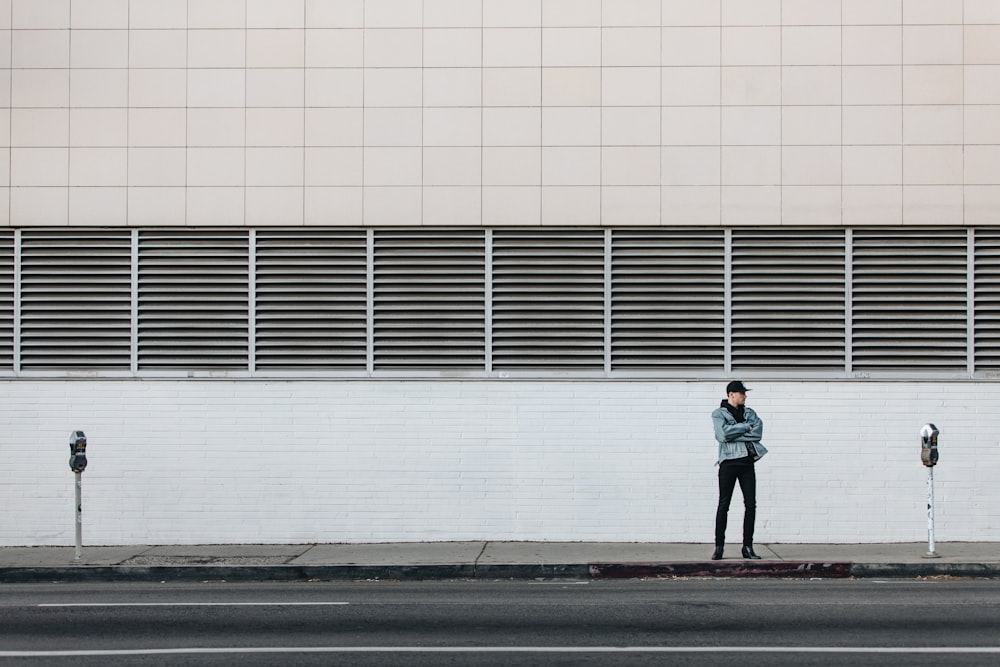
x: 294, y: 558
x: 475, y: 564
x: 122, y: 561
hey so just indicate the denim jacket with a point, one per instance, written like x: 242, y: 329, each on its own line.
x: 732, y: 435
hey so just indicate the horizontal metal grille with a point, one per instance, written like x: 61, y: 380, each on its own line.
x: 193, y: 299
x: 667, y: 299
x: 909, y: 300
x: 987, y: 299
x: 548, y: 299
x: 311, y: 306
x: 788, y: 300
x: 429, y: 299
x: 895, y: 302
x: 76, y: 299
x: 6, y: 299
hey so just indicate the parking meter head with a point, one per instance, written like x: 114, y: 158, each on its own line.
x: 77, y: 451
x: 929, y: 445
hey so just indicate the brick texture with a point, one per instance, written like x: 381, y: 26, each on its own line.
x: 186, y: 462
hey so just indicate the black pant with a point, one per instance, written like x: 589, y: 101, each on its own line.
x: 729, y: 473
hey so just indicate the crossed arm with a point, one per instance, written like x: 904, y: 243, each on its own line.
x: 751, y: 430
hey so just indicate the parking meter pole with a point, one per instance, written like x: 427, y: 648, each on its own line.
x: 79, y: 516
x: 931, y: 553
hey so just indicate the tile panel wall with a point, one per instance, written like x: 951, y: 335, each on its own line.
x: 497, y: 112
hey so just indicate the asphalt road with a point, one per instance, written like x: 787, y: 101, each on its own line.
x: 689, y: 622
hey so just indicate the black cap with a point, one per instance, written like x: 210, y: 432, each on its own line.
x: 737, y: 386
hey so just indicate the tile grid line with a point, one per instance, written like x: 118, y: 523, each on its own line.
x: 128, y: 130
x: 482, y: 115
x: 305, y: 87
x: 423, y: 161
x: 246, y: 114
x: 364, y: 148
x: 10, y: 124
x: 902, y: 115
x: 69, y: 117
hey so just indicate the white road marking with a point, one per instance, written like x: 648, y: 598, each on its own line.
x: 195, y: 604
x: 871, y: 650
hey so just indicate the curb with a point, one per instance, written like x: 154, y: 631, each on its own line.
x: 930, y: 569
x: 249, y: 573
x: 774, y: 569
x: 443, y: 572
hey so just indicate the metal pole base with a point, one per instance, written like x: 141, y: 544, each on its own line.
x: 931, y: 549
x: 79, y: 519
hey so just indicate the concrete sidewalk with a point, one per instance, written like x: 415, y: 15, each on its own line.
x: 489, y: 560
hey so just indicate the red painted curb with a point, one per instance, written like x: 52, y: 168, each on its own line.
x: 782, y: 569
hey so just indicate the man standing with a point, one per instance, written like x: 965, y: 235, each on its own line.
x: 738, y: 431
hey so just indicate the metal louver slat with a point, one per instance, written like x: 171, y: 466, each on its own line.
x: 430, y: 299
x: 788, y: 305
x: 909, y: 300
x: 193, y: 299
x: 987, y: 299
x: 76, y: 299
x: 6, y: 300
x: 311, y: 309
x: 548, y: 299
x: 668, y: 299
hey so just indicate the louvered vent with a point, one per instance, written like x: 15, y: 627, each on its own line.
x: 987, y: 311
x: 788, y: 305
x: 430, y: 299
x: 193, y: 292
x: 76, y: 299
x: 548, y: 299
x: 910, y: 311
x: 6, y: 300
x: 311, y: 299
x: 668, y: 299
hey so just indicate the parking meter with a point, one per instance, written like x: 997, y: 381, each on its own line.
x: 78, y: 463
x: 929, y: 445
x: 77, y: 451
x: 929, y: 457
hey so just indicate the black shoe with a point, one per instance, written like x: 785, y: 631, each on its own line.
x: 717, y: 554
x: 748, y: 552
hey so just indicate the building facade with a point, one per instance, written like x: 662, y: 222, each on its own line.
x: 405, y: 270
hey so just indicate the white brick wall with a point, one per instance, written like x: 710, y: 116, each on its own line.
x: 303, y: 461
